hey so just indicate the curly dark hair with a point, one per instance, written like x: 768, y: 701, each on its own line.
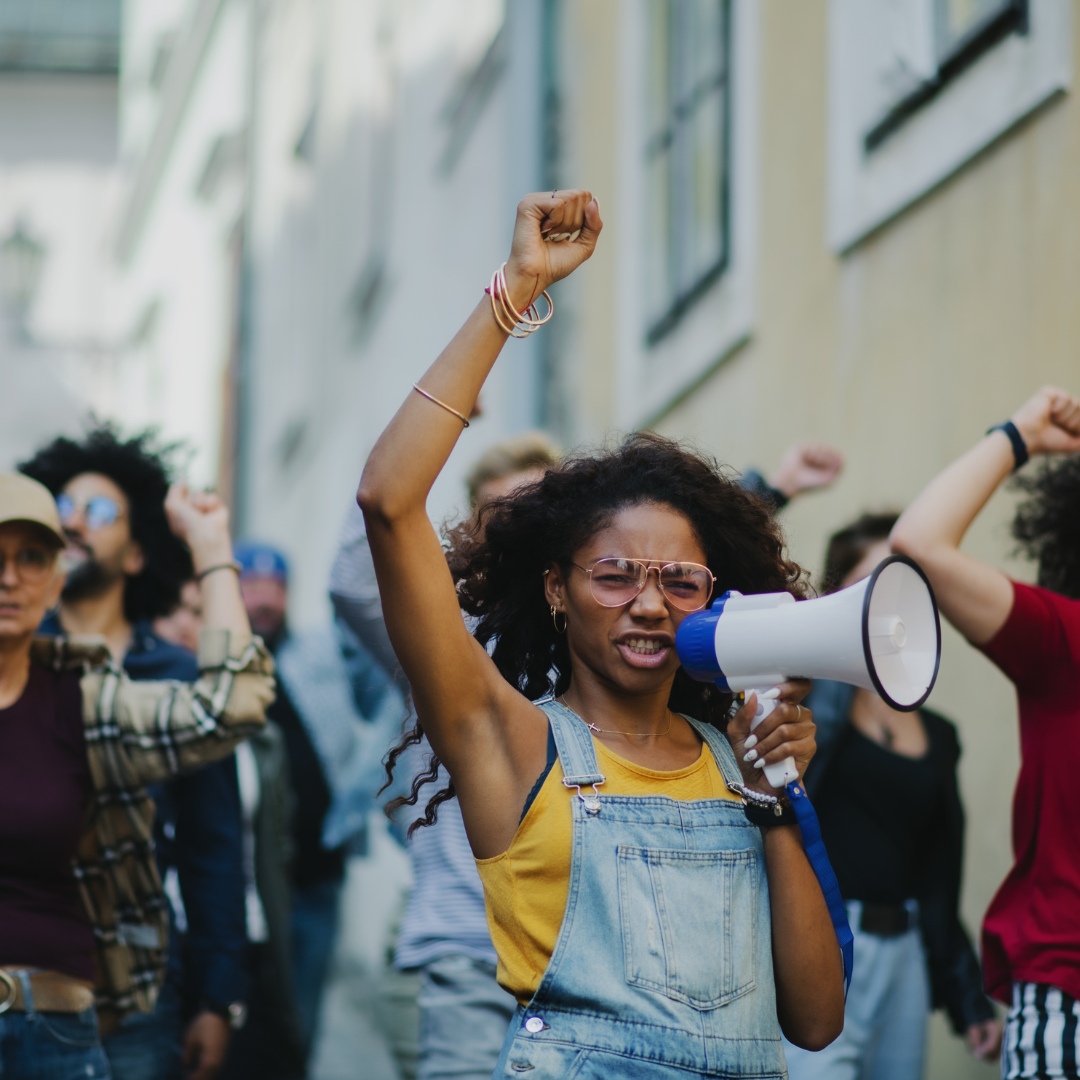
x: 1047, y: 524
x: 497, y: 560
x: 142, y: 470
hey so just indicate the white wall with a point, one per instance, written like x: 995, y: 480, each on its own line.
x: 176, y: 294
x: 58, y: 177
x: 381, y: 82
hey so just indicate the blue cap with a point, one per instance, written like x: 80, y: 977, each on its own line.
x: 257, y: 559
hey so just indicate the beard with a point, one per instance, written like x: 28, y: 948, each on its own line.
x: 89, y: 578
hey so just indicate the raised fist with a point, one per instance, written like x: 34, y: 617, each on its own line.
x: 200, y: 519
x: 554, y: 234
x: 805, y: 466
x: 1049, y: 422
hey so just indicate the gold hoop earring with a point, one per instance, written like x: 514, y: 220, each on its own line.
x: 555, y: 620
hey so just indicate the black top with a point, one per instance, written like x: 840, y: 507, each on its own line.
x: 877, y: 787
x: 312, y: 864
x: 45, y: 790
x: 880, y: 819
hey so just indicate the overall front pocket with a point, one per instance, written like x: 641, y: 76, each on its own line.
x: 689, y: 923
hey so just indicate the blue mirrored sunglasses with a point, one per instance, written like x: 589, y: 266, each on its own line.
x: 98, y: 512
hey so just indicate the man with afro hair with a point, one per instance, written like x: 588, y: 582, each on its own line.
x: 126, y: 568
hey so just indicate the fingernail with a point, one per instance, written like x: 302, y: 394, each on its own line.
x: 769, y: 695
x: 750, y: 756
x: 759, y: 763
x: 574, y: 235
x: 750, y: 741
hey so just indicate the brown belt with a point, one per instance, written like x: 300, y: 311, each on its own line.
x: 52, y: 991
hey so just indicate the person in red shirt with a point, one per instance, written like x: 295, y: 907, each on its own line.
x: 1031, y: 933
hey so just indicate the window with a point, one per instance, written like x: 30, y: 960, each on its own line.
x: 686, y: 154
x: 917, y: 88
x: 933, y: 42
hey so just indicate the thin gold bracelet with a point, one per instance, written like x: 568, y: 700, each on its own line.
x: 441, y: 404
x: 234, y: 565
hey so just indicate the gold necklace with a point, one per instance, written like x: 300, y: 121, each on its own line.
x: 611, y: 731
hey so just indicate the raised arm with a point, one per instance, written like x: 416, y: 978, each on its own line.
x: 974, y: 597
x: 467, y: 709
x: 168, y: 727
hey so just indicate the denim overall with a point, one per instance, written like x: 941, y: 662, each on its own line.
x: 663, y: 965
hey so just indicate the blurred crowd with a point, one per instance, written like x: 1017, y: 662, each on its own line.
x: 205, y: 905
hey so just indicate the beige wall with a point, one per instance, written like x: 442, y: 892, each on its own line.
x: 902, y: 352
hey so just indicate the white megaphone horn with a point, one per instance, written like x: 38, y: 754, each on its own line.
x: 882, y: 634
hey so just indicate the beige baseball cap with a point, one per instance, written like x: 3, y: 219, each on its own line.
x: 23, y: 499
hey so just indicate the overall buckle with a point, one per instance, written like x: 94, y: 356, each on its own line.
x: 593, y: 780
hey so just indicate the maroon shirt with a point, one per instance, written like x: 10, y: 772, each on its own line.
x: 1031, y: 932
x: 45, y: 790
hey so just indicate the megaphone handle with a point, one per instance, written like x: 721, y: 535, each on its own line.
x: 783, y: 772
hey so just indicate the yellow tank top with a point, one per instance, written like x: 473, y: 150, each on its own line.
x: 525, y: 888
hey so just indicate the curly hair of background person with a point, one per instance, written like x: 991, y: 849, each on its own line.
x: 498, y: 560
x: 142, y: 470
x: 1048, y: 524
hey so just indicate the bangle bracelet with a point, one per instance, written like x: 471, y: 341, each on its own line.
x: 234, y: 565
x: 441, y: 404
x: 520, y: 324
x: 1019, y: 447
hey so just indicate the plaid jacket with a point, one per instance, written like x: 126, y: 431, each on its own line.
x: 138, y: 733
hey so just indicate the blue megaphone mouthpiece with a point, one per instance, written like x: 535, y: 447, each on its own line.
x: 695, y: 643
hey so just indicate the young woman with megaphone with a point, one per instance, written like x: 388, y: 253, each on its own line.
x: 646, y: 926
x: 1031, y: 932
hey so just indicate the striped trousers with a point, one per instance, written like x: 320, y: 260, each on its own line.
x: 1042, y: 1034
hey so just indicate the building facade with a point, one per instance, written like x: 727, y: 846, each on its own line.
x: 59, y: 188
x: 894, y: 253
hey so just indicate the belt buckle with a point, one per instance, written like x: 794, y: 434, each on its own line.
x: 12, y: 991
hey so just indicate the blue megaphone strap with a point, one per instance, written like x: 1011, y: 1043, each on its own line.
x: 823, y: 871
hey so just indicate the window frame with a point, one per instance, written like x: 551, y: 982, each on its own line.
x: 651, y: 379
x: 997, y: 90
x: 683, y: 300
x: 1011, y: 18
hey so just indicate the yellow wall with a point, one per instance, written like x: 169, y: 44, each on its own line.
x: 902, y: 352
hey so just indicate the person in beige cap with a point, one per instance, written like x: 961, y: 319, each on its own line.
x: 82, y: 912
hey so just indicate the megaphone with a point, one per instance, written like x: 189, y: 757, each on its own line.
x: 881, y: 633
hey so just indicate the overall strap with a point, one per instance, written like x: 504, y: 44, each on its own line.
x: 724, y: 756
x: 573, y: 740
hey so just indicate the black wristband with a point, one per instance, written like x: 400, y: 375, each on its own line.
x: 767, y: 817
x: 1020, y: 450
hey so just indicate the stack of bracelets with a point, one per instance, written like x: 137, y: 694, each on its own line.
x: 520, y: 324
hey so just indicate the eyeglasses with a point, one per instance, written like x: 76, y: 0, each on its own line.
x: 98, y: 512
x: 615, y: 582
x: 32, y: 564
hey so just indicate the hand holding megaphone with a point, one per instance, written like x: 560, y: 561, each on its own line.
x: 882, y: 634
x: 790, y: 730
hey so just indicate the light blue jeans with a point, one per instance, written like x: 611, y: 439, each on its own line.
x: 663, y: 966
x: 464, y: 1014
x: 884, y: 1036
